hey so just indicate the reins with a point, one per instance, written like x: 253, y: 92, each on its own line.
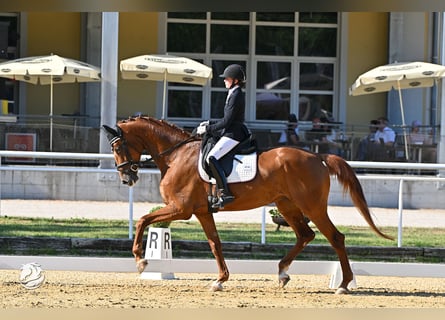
x: 172, y: 148
x: 135, y: 164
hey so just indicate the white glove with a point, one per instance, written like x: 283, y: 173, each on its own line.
x: 204, y: 123
x: 201, y: 130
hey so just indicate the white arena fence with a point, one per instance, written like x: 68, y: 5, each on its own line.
x: 207, y: 266
x: 99, y: 156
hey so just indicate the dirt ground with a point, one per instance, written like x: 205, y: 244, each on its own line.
x: 126, y: 290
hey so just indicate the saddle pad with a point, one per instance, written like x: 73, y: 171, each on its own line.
x: 244, y: 169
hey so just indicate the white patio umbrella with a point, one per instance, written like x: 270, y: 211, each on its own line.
x: 398, y: 76
x: 48, y: 70
x: 165, y: 68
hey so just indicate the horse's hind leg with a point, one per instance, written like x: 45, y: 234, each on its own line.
x: 304, y: 233
x: 337, y: 241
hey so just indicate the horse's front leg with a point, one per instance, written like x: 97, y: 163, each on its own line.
x: 209, y: 227
x: 167, y: 213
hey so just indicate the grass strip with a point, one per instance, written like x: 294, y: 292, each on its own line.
x: 190, y: 230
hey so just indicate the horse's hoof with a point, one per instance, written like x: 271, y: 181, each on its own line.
x: 283, y: 279
x: 342, y: 291
x: 216, y: 286
x: 141, y: 264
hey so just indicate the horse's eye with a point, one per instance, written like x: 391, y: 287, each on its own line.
x: 116, y: 149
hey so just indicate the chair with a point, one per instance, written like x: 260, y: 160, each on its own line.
x: 380, y: 152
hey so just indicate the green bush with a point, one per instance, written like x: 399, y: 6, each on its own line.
x: 274, y: 212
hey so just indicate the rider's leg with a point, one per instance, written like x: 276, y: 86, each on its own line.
x: 221, y: 183
x: 221, y: 148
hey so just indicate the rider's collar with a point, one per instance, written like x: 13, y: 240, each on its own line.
x: 231, y: 91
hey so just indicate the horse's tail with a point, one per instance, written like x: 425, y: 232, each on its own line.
x: 346, y: 176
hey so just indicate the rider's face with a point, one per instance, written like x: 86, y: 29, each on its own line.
x: 228, y: 82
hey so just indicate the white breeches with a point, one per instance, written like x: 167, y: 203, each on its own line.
x: 221, y: 148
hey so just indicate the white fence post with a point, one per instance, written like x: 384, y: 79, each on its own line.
x: 399, y: 231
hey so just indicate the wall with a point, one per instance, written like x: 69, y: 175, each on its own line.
x: 138, y: 35
x: 367, y: 48
x: 410, y: 41
x: 107, y: 187
x: 53, y: 33
x: 76, y: 186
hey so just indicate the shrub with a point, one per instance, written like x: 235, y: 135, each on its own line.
x: 274, y: 212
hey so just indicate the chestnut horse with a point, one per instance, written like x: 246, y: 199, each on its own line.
x: 297, y: 181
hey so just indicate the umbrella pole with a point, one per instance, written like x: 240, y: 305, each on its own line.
x: 164, y: 95
x: 51, y: 116
x: 403, y: 120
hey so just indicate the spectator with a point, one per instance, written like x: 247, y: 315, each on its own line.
x: 323, y: 136
x: 290, y: 136
x: 415, y: 136
x: 366, y: 141
x: 317, y: 132
x: 384, y: 134
x: 332, y: 146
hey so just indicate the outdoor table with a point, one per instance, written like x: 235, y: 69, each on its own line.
x: 418, y: 148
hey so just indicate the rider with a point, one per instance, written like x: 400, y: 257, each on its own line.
x: 233, y: 129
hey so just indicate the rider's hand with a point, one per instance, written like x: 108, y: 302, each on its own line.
x: 204, y: 123
x: 201, y: 130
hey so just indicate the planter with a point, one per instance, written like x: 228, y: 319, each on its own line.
x: 279, y: 221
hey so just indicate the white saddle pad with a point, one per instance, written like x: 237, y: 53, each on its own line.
x: 244, y: 169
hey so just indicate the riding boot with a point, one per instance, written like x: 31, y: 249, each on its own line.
x: 221, y: 183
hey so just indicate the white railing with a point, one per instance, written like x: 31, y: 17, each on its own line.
x: 71, y: 156
x: 99, y: 156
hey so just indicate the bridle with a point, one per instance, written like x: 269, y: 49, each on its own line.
x: 133, y: 166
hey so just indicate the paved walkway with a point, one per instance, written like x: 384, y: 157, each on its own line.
x: 121, y: 210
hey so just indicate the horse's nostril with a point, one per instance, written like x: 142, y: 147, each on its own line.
x: 125, y: 181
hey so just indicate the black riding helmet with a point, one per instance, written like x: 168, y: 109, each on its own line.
x: 234, y: 71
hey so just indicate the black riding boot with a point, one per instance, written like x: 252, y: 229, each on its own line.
x: 221, y: 183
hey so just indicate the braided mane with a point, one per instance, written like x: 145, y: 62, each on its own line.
x: 161, y: 127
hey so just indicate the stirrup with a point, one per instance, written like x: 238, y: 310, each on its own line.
x: 223, y: 200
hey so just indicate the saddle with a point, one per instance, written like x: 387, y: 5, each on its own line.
x: 239, y: 165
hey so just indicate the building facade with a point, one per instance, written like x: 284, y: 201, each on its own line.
x: 296, y: 62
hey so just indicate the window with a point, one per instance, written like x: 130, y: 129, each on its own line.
x: 186, y: 37
x: 309, y: 40
x: 290, y: 60
x: 8, y: 51
x: 229, y: 39
x: 219, y: 92
x: 275, y: 41
x: 273, y: 86
x: 317, y: 76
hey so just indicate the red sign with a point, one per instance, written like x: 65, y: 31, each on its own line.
x: 21, y: 142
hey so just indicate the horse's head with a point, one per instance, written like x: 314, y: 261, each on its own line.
x: 127, y: 167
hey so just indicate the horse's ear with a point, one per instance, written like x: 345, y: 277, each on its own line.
x: 111, y: 133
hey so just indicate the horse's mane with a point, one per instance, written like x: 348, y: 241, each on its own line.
x: 160, y: 127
